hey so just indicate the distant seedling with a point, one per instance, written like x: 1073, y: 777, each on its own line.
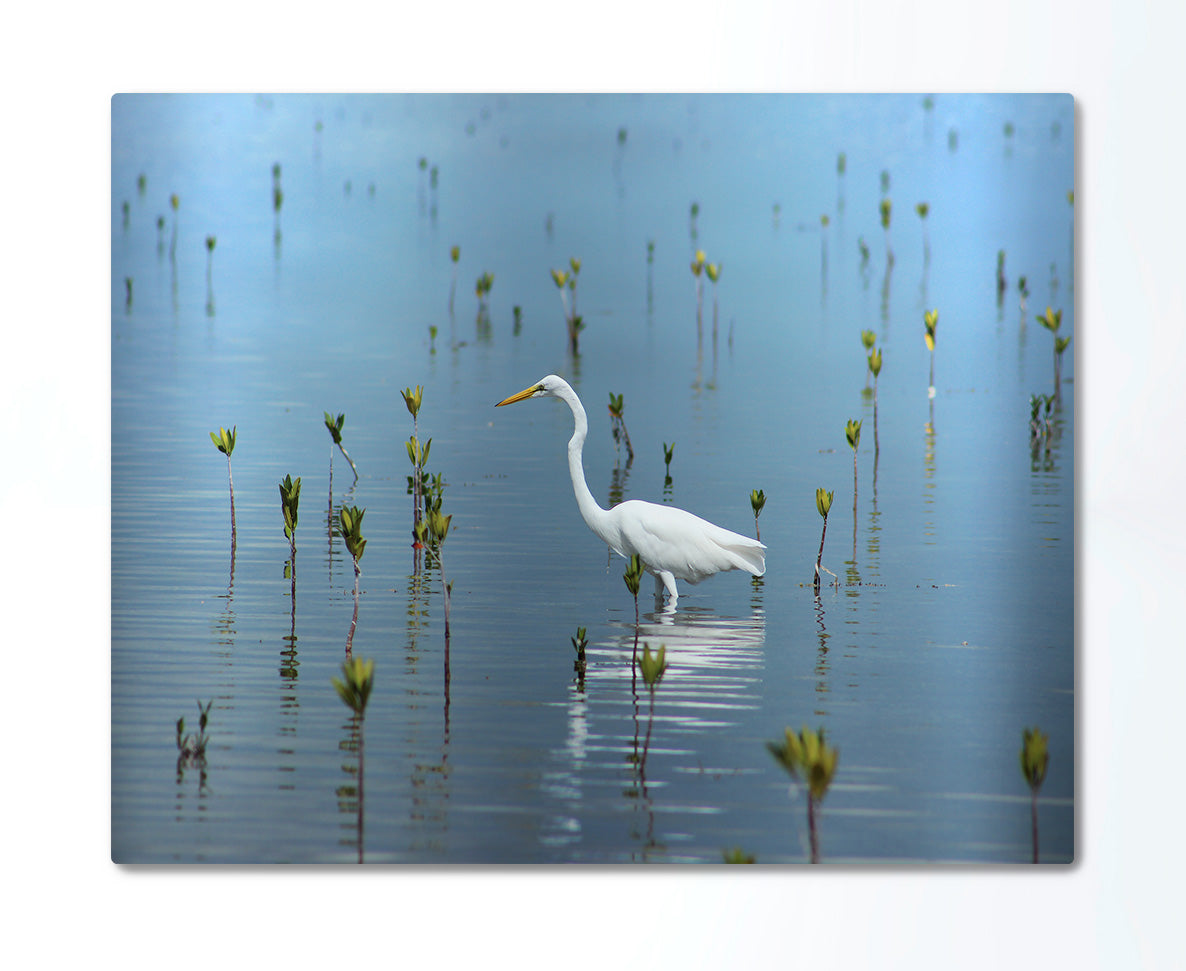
x: 757, y: 501
x: 334, y: 427
x: 224, y: 441
x: 823, y: 503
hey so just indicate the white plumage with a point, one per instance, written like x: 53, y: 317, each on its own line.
x: 671, y: 543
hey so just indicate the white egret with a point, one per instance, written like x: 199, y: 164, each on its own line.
x: 672, y: 544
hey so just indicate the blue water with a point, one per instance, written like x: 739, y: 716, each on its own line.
x: 950, y: 630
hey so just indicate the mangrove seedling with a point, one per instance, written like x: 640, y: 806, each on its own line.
x: 875, y: 368
x: 668, y: 452
x: 1002, y: 282
x: 864, y: 248
x: 334, y: 426
x: 438, y: 528
x: 573, y: 323
x: 224, y: 441
x: 455, y: 256
x: 868, y: 339
x: 575, y: 265
x: 192, y: 747
x: 823, y: 503
x: 211, y: 242
x: 632, y: 578
x: 432, y: 338
x: 128, y: 295
x: 160, y: 235
x: 808, y: 758
x: 652, y: 667
x: 350, y: 523
x: 1023, y: 292
x: 841, y: 163
x: 737, y: 855
x: 923, y: 209
x: 618, y: 426
x: 852, y: 432
x: 417, y: 455
x: 290, y: 497
x: 579, y: 643
x: 757, y: 501
x: 930, y: 320
x: 516, y: 320
x: 1034, y: 759
x: 885, y: 182
x: 695, y: 213
x: 1052, y: 320
x: 174, y: 204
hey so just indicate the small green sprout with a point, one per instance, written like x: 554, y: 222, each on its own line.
x: 1051, y: 319
x: 757, y: 501
x: 224, y: 441
x: 930, y: 320
x: 868, y: 339
x: 875, y: 362
x: 922, y: 208
x: 290, y: 497
x: 852, y: 432
x: 412, y: 399
x: 841, y: 163
x: 334, y: 426
x: 738, y: 855
x: 350, y: 521
x: 823, y: 503
x: 633, y: 575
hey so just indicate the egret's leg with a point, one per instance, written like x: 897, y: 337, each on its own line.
x: 668, y: 579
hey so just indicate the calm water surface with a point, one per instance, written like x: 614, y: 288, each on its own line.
x: 951, y: 627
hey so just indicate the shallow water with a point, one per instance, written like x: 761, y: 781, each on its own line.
x: 951, y: 627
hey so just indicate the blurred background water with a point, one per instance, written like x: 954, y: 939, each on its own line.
x: 951, y: 627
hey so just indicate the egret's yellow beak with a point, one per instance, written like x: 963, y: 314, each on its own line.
x: 525, y: 393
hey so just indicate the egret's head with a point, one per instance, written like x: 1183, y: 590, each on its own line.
x: 544, y: 388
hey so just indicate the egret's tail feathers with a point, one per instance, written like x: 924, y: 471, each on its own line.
x: 751, y: 557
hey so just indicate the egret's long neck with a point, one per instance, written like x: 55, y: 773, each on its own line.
x: 591, y: 512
